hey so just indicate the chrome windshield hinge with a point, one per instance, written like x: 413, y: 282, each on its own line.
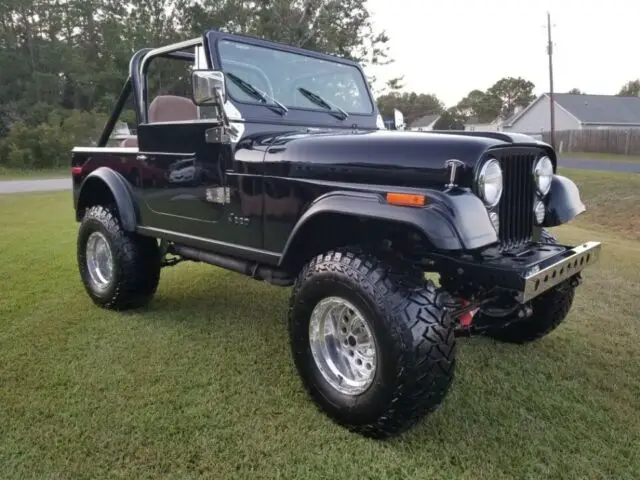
x: 217, y: 135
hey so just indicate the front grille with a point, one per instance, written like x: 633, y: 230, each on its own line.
x: 516, y: 205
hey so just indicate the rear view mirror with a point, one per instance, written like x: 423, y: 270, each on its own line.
x: 208, y: 88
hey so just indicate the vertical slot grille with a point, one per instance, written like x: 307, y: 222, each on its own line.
x: 516, y: 206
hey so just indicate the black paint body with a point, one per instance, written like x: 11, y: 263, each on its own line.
x: 284, y: 171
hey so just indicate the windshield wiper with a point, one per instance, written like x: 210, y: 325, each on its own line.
x: 252, y: 91
x: 321, y: 102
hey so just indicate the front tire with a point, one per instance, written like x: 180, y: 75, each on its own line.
x: 119, y: 270
x: 384, y: 364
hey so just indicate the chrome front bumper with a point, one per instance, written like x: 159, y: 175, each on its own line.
x: 573, y: 261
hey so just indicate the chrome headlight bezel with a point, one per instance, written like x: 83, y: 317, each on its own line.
x: 543, y: 174
x: 539, y: 208
x: 495, y: 220
x: 490, y: 171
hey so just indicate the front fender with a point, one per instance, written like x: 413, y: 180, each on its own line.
x: 101, y: 181
x: 563, y: 202
x: 450, y: 221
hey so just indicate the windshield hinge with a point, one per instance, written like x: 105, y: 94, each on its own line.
x: 217, y: 135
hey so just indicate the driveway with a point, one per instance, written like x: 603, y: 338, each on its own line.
x: 21, y: 186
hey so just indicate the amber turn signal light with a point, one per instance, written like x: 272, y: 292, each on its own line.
x: 406, y: 199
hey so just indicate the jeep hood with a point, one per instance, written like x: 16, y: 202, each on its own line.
x: 412, y: 159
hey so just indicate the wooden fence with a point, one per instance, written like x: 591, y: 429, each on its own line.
x: 620, y: 141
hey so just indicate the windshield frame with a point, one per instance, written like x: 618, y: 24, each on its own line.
x: 214, y: 38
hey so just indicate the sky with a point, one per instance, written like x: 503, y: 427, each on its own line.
x: 450, y: 47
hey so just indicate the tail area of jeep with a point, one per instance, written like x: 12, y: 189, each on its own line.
x: 273, y: 162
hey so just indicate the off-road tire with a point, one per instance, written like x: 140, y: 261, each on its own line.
x: 549, y: 310
x: 136, y: 261
x: 414, y: 336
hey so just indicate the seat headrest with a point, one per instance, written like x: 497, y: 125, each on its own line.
x: 129, y: 142
x: 171, y: 108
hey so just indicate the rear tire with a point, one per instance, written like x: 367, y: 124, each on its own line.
x: 119, y: 270
x: 405, y: 326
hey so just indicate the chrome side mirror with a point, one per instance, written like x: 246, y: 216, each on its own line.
x: 208, y: 88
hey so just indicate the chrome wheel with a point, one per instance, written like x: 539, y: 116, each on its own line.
x: 99, y: 260
x: 342, y: 345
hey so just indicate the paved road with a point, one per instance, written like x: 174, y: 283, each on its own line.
x: 20, y: 186
x: 607, y: 165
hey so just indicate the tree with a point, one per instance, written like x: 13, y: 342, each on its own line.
x: 450, y: 119
x: 512, y: 92
x: 576, y: 91
x: 72, y: 54
x: 342, y: 28
x: 395, y: 84
x: 481, y: 105
x: 630, y: 89
x: 66, y: 55
x: 412, y: 105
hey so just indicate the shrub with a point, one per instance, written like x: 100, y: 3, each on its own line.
x: 49, y: 144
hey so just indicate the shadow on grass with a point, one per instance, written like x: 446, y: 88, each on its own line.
x: 499, y: 388
x: 218, y: 293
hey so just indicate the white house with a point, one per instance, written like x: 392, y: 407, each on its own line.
x: 424, y: 123
x: 474, y: 125
x: 576, y: 112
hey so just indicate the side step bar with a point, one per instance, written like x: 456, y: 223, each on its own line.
x: 251, y: 269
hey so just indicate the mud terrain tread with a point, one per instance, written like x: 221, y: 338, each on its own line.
x: 420, y: 328
x: 137, y: 260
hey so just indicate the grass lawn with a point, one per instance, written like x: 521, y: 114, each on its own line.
x: 611, y: 157
x: 21, y: 174
x: 612, y: 201
x: 201, y: 384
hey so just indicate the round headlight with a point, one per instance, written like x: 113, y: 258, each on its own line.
x: 490, y: 183
x: 543, y: 173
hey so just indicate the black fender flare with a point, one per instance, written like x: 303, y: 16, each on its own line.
x: 120, y: 190
x: 563, y: 202
x: 455, y: 220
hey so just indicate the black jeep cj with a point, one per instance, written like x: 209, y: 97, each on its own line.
x: 273, y: 162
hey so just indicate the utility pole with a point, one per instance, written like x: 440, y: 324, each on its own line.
x: 551, y: 100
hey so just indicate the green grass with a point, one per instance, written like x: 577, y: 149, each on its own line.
x: 25, y: 174
x: 201, y: 384
x: 612, y: 201
x: 611, y: 157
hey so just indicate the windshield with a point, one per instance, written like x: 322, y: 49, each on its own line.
x: 281, y: 75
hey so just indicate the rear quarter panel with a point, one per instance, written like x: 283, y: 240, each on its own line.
x: 124, y: 161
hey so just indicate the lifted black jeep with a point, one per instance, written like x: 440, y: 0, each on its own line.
x: 273, y: 162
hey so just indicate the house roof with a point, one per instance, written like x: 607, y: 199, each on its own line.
x: 593, y: 109
x: 424, y: 121
x: 601, y: 108
x: 516, y: 115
